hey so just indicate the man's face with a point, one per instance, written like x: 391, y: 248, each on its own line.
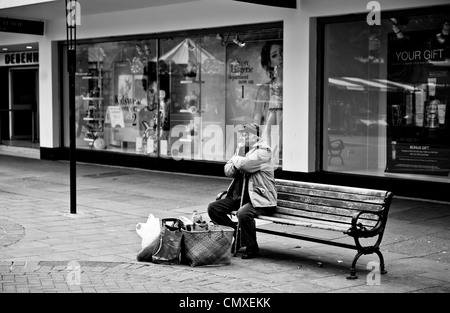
x: 249, y: 139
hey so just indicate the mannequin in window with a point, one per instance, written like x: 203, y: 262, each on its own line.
x: 269, y: 98
x: 156, y: 97
x: 148, y: 115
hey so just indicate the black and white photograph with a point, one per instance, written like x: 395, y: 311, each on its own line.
x: 225, y: 155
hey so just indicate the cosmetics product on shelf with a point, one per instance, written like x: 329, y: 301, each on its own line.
x: 432, y: 114
x: 394, y: 151
x: 432, y: 87
x: 420, y: 97
x: 441, y: 114
x: 409, y: 109
x: 396, y: 115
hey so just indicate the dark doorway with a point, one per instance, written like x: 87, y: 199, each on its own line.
x: 23, y: 104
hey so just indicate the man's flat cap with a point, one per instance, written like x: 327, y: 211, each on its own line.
x: 251, y: 128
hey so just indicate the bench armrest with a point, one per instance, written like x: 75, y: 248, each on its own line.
x: 220, y: 195
x: 361, y: 231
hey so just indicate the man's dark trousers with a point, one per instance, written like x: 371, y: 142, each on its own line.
x: 218, y: 212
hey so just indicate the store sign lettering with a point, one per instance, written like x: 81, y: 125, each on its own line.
x: 419, y: 147
x: 240, y: 67
x: 20, y: 58
x: 420, y: 55
x: 240, y: 70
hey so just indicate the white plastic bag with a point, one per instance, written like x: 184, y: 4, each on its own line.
x: 149, y: 230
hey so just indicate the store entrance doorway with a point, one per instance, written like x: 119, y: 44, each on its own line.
x: 23, y: 107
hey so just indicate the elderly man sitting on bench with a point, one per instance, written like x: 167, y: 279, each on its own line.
x: 252, y: 191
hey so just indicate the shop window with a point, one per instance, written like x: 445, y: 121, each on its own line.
x: 385, y: 96
x: 111, y: 89
x: 180, y: 97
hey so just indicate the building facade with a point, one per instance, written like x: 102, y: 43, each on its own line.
x: 346, y: 92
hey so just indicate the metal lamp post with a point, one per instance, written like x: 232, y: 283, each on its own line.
x: 72, y: 19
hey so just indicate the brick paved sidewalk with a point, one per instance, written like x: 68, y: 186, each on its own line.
x: 107, y: 277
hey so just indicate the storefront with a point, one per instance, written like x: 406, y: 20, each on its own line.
x: 340, y: 98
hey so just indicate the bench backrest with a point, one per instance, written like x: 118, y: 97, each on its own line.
x: 330, y: 203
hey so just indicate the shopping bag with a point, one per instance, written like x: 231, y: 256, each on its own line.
x: 207, y: 247
x: 149, y: 230
x: 169, y: 247
x: 166, y: 247
x: 146, y: 254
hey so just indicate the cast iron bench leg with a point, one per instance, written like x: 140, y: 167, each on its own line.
x: 380, y: 255
x: 353, y: 268
x: 365, y: 251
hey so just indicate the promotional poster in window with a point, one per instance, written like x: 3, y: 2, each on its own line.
x: 417, y: 112
x: 255, y: 89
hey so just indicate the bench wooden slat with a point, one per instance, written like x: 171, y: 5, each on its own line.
x: 334, y: 194
x: 340, y: 207
x: 312, y: 214
x: 322, y: 209
x: 305, y: 223
x: 307, y: 185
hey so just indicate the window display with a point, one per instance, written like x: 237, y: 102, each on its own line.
x: 180, y: 97
x: 386, y: 93
x: 419, y: 137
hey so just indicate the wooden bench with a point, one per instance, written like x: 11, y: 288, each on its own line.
x: 356, y: 212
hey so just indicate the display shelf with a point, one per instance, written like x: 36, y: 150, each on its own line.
x: 192, y: 82
x: 93, y: 118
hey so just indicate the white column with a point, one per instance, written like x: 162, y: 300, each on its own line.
x: 49, y: 105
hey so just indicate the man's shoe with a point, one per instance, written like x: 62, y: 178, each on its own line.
x: 251, y: 252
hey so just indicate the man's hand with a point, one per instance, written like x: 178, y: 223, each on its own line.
x: 240, y: 150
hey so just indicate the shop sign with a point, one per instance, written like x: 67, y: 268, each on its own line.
x: 19, y: 58
x: 416, y: 48
x: 427, y: 159
x: 419, y: 56
x: 12, y: 25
